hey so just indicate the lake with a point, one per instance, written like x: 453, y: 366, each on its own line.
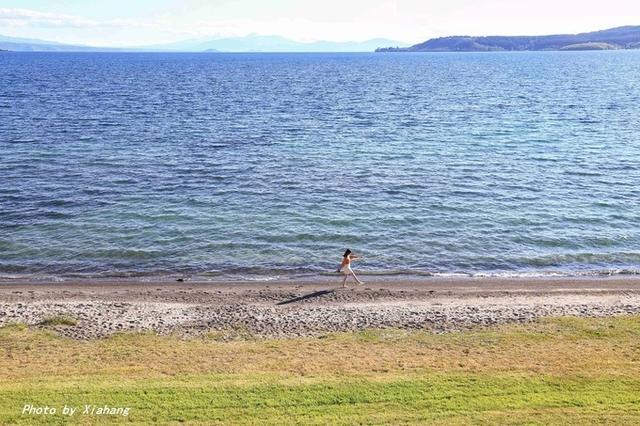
x: 264, y: 166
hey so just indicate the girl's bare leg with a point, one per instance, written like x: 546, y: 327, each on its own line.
x: 354, y: 276
x: 344, y: 281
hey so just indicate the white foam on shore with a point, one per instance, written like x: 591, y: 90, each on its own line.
x: 388, y: 275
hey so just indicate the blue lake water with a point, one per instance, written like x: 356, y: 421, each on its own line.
x: 257, y: 166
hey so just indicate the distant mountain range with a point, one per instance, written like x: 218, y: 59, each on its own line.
x: 258, y: 43
x: 250, y: 43
x: 34, y: 45
x: 616, y: 38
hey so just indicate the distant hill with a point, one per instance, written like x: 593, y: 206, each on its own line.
x: 5, y: 39
x: 259, y: 43
x: 616, y: 38
x: 250, y: 43
x: 31, y: 47
x: 34, y: 45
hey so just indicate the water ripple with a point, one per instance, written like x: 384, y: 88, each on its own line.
x: 270, y: 165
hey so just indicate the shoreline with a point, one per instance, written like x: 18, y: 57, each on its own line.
x: 316, y: 279
x: 393, y: 281
x: 324, y: 275
x: 285, y: 309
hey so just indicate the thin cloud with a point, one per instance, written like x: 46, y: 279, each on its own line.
x: 32, y: 18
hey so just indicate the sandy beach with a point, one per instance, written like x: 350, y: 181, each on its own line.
x: 290, y: 309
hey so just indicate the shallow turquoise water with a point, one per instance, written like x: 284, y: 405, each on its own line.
x: 270, y: 165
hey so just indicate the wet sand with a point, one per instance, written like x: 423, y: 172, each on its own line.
x: 309, y: 308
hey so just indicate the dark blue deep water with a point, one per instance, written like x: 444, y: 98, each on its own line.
x: 269, y: 165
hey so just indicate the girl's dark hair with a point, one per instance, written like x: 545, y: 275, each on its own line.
x: 346, y: 253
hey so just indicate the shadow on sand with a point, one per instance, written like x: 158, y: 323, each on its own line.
x: 306, y: 296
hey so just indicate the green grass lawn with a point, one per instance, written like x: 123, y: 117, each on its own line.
x: 556, y: 371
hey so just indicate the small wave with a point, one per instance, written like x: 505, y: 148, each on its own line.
x: 582, y: 173
x: 24, y: 140
x: 266, y: 275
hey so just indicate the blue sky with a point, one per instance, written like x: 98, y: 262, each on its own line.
x: 140, y: 22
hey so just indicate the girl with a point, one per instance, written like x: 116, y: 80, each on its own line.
x: 345, y: 267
